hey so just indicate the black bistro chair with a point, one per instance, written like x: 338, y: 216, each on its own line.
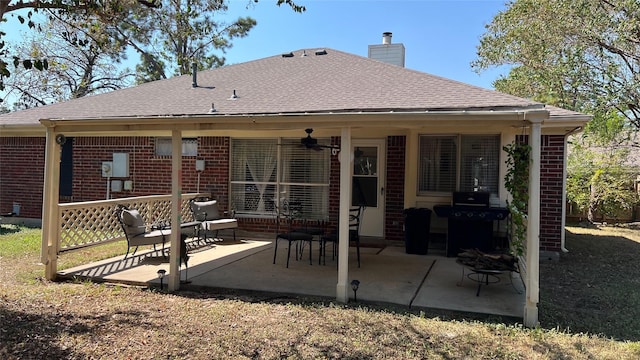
x: 355, y: 215
x: 286, y: 214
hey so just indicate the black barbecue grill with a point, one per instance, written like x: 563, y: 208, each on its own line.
x: 470, y: 221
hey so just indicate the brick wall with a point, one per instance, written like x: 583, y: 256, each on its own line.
x: 150, y: 174
x: 394, y: 188
x: 23, y: 158
x: 551, y: 165
x: 551, y: 171
x: 334, y: 186
x: 22, y: 174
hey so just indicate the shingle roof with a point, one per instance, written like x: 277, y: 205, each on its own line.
x: 333, y: 82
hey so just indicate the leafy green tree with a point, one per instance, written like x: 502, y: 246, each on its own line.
x: 180, y: 33
x: 601, y: 181
x: 80, y: 63
x: 188, y: 22
x: 580, y: 55
x: 25, y: 11
x: 577, y: 54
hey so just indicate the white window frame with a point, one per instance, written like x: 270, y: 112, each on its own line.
x: 163, y: 146
x: 261, y: 194
x: 459, y: 140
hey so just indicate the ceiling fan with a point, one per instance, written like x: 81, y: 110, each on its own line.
x: 312, y: 143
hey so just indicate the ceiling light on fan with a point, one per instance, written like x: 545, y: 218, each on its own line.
x: 312, y: 143
x: 308, y: 141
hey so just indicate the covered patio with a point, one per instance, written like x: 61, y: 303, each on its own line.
x: 387, y: 275
x: 426, y: 137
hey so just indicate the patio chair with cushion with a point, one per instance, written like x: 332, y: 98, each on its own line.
x: 135, y: 230
x: 206, y: 211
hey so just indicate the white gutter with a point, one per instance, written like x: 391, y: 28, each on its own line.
x: 105, y: 125
x: 252, y: 116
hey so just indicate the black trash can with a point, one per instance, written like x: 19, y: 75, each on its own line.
x: 417, y: 224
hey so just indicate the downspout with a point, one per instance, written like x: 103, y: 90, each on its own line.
x: 564, y: 190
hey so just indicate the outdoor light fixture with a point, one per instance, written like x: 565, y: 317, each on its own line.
x: 161, y: 273
x: 354, y: 285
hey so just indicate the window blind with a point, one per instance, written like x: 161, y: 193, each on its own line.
x: 264, y: 171
x: 438, y: 163
x: 479, y: 168
x: 459, y: 162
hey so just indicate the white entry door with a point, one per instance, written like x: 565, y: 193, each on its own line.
x: 368, y: 184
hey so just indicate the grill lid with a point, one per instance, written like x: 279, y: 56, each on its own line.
x: 471, y: 198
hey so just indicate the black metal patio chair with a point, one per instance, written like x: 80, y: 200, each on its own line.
x: 285, y: 217
x: 355, y: 216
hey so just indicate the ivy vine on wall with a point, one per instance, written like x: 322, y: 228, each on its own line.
x: 516, y: 181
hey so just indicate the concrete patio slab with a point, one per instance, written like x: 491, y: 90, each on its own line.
x: 387, y: 275
x: 447, y: 287
x: 142, y: 269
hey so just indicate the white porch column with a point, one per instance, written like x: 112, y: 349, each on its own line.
x: 176, y: 209
x: 533, y: 229
x: 51, y: 194
x: 342, y: 288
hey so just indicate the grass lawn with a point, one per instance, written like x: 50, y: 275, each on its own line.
x: 589, y: 309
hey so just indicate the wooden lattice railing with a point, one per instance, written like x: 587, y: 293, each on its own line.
x: 90, y: 223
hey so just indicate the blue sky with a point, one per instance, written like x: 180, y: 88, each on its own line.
x: 440, y: 37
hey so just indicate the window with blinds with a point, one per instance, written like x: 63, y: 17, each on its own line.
x: 479, y: 163
x: 458, y: 162
x: 264, y: 171
x: 163, y: 146
x: 438, y: 163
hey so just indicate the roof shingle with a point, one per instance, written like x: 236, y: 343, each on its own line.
x: 335, y: 82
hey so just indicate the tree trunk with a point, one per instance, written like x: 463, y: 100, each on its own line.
x: 593, y: 207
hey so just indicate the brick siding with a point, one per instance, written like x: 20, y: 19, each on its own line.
x: 394, y: 189
x: 22, y: 174
x: 23, y: 159
x: 551, y: 171
x: 150, y: 174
